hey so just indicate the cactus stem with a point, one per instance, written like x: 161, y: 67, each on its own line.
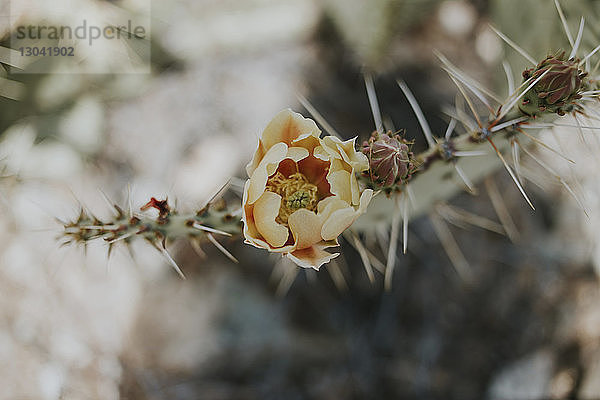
x: 418, y: 112
x: 575, y: 46
x: 169, y: 224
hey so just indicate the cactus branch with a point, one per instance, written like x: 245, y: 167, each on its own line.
x: 214, y: 219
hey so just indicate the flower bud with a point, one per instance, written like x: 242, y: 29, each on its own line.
x: 557, y: 91
x: 390, y: 160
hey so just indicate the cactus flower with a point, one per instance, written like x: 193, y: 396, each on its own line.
x: 302, y: 191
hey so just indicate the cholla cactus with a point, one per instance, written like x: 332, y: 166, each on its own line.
x: 304, y: 190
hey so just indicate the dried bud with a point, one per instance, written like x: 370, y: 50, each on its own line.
x: 557, y: 90
x: 390, y: 160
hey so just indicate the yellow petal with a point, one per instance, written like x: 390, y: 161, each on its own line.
x: 320, y: 153
x: 266, y: 168
x: 286, y: 127
x: 306, y: 228
x: 250, y: 232
x: 338, y: 222
x: 328, y: 205
x: 346, y: 151
x: 338, y: 219
x: 329, y: 144
x: 297, y: 153
x: 312, y: 257
x: 354, y: 190
x: 365, y: 199
x: 341, y: 186
x: 266, y: 209
x: 337, y: 164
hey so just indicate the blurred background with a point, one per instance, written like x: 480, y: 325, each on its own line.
x: 76, y: 324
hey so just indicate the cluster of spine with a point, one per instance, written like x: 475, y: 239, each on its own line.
x: 213, y: 219
x: 553, y: 88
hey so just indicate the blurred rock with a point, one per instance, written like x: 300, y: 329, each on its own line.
x: 527, y: 378
x: 590, y: 386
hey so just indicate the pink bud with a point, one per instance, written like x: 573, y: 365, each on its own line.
x: 390, y: 160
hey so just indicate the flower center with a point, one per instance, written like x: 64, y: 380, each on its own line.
x: 296, y: 192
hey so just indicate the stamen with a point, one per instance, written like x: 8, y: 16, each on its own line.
x: 296, y: 193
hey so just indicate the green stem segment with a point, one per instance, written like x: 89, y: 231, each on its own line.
x: 211, y: 220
